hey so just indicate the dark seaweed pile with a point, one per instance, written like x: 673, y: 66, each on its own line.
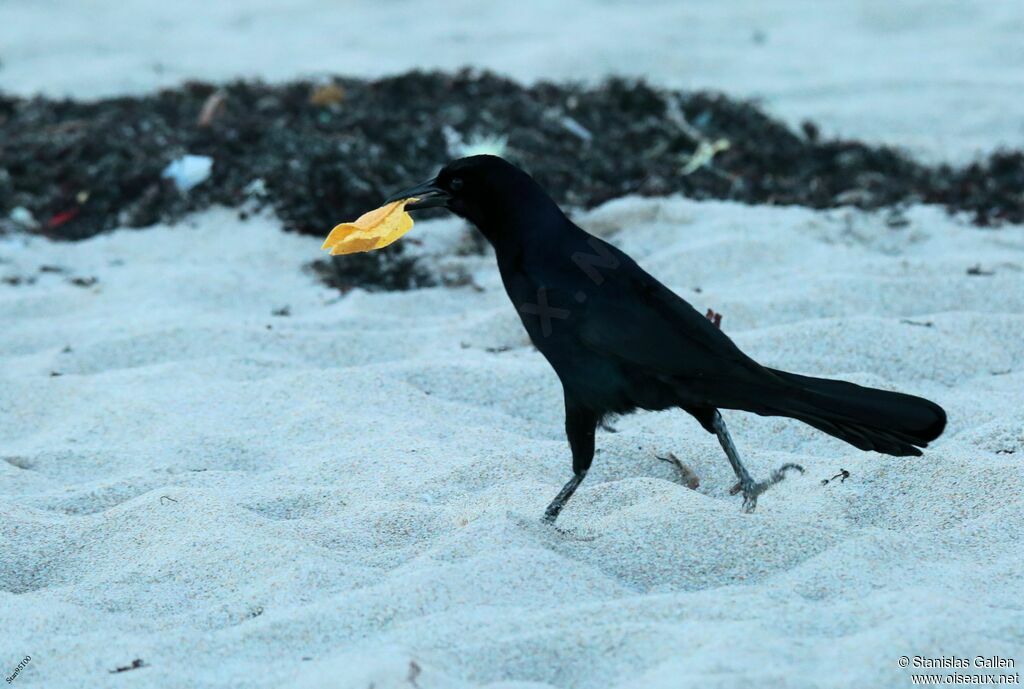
x: 328, y: 151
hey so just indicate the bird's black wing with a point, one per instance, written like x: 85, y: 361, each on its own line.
x: 640, y: 322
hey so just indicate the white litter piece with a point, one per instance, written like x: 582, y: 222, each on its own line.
x: 256, y: 188
x: 576, y: 129
x: 484, y: 144
x: 476, y: 144
x: 188, y: 171
x: 22, y: 216
x: 706, y: 151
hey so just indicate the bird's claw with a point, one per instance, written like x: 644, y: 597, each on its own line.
x: 752, y: 489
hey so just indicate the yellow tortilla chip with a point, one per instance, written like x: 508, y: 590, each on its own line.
x: 373, y: 230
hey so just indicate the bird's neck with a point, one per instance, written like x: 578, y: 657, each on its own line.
x: 513, y: 230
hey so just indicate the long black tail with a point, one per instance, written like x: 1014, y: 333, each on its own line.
x: 867, y: 418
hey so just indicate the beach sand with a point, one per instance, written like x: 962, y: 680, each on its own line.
x: 352, y: 493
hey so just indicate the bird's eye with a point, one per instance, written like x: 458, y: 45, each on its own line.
x: 455, y: 184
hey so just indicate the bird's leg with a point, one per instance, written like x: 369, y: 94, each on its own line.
x: 746, y: 483
x: 751, y: 489
x: 580, y: 424
x: 551, y: 513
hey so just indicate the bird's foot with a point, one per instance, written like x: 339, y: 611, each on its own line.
x: 752, y: 489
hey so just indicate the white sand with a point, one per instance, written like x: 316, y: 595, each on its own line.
x: 319, y: 500
x: 940, y: 77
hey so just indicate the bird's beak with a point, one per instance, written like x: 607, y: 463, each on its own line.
x: 427, y: 195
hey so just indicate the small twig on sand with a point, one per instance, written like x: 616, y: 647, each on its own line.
x: 136, y: 664
x: 213, y: 107
x: 842, y: 476
x: 414, y: 672
x: 687, y: 475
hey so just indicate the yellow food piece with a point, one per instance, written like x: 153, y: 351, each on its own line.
x: 373, y: 230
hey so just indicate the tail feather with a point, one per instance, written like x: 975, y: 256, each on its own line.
x: 870, y: 419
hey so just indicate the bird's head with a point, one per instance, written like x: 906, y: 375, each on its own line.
x: 484, y: 189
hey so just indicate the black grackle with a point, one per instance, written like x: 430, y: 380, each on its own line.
x: 619, y: 340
